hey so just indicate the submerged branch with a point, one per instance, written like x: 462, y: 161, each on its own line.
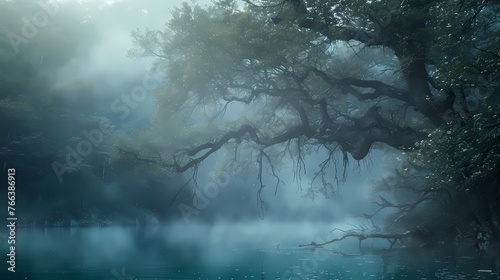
x: 361, y: 237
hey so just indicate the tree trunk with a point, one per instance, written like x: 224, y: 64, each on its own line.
x: 420, y: 95
x: 418, y: 87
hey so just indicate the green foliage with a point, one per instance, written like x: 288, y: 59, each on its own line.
x: 463, y: 155
x: 465, y: 42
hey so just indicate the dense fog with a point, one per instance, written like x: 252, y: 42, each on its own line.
x: 180, y: 131
x: 81, y: 59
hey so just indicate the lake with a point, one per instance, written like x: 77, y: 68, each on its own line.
x: 209, y: 252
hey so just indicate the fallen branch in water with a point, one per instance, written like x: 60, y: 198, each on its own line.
x: 363, y: 236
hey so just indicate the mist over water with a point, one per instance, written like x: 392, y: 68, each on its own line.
x: 252, y: 250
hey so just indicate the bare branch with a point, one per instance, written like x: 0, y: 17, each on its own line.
x: 380, y: 89
x: 361, y: 237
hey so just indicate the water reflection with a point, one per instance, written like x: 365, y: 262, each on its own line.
x: 223, y: 252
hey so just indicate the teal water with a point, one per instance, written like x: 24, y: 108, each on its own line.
x: 159, y: 253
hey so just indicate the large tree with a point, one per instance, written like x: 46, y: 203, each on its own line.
x: 290, y: 77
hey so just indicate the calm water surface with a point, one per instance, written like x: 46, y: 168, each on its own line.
x: 161, y: 253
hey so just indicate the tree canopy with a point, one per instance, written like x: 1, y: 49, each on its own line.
x: 274, y: 78
x: 295, y: 82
